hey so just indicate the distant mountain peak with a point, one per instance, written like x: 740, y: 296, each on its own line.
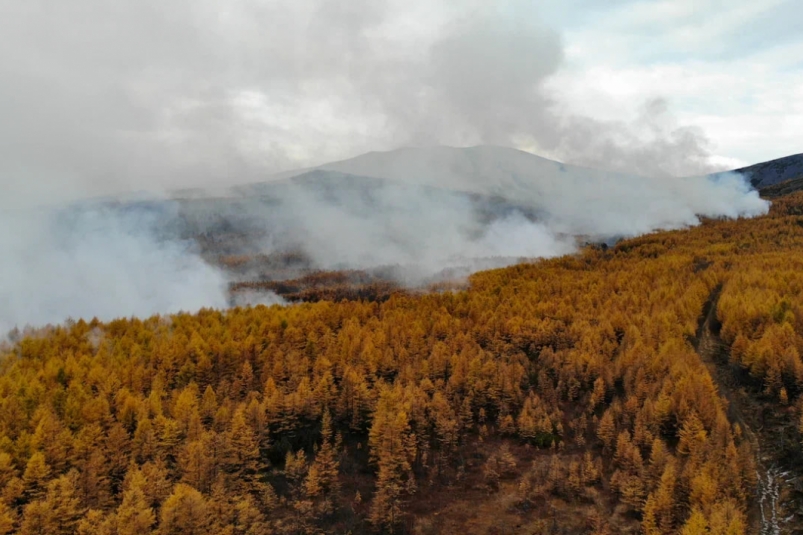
x: 511, y: 173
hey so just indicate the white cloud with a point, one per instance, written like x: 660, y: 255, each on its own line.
x: 746, y: 94
x: 99, y: 97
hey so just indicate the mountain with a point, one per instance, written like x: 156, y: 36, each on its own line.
x: 782, y: 188
x: 764, y: 174
x: 506, y: 172
x: 483, y: 169
x: 439, y: 203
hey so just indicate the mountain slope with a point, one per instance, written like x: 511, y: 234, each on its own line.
x: 764, y: 174
x: 562, y: 396
x: 782, y: 188
x: 509, y: 172
x: 482, y: 169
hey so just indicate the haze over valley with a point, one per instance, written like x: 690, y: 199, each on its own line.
x: 417, y: 215
x: 197, y: 112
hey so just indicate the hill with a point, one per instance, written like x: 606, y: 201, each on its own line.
x: 553, y: 188
x: 782, y: 188
x: 481, y: 169
x: 397, y: 201
x: 771, y: 173
x: 488, y: 170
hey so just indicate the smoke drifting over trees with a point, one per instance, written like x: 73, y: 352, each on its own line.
x: 140, y: 96
x: 96, y: 261
x: 402, y: 209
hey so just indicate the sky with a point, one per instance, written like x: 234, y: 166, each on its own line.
x: 732, y: 67
x: 104, y: 97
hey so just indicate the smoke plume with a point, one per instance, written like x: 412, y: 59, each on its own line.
x: 95, y: 260
x: 102, y: 99
x: 442, y: 207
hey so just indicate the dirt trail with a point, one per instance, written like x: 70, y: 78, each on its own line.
x: 776, y: 507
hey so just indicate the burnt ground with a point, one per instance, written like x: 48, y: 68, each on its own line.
x: 778, y: 505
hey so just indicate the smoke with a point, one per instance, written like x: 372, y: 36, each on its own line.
x: 139, y: 95
x: 100, y: 98
x: 348, y: 221
x: 416, y: 212
x: 255, y: 298
x: 98, y: 260
x: 438, y: 207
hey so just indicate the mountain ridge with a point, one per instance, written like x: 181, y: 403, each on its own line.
x: 772, y: 172
x: 484, y: 169
x: 503, y: 171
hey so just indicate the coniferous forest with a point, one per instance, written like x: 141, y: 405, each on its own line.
x: 650, y: 387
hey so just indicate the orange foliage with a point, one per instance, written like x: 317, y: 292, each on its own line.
x: 212, y: 421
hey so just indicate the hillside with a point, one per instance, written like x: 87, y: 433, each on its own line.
x: 564, y: 193
x: 782, y: 188
x: 766, y: 174
x: 425, y: 209
x: 561, y: 396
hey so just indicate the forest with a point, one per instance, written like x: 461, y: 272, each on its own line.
x: 616, y: 390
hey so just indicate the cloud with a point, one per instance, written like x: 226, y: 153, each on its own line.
x: 731, y: 68
x: 138, y: 95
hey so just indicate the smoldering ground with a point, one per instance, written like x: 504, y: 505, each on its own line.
x: 100, y: 99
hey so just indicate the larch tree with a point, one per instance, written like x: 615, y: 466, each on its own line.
x: 322, y: 481
x: 134, y: 515
x: 184, y: 512
x: 392, y: 448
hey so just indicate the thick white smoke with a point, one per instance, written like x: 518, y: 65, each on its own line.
x: 101, y: 98
x: 358, y: 222
x: 96, y: 261
x: 418, y: 210
x: 423, y: 210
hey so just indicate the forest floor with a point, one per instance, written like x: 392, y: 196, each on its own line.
x: 470, y: 507
x: 778, y: 505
